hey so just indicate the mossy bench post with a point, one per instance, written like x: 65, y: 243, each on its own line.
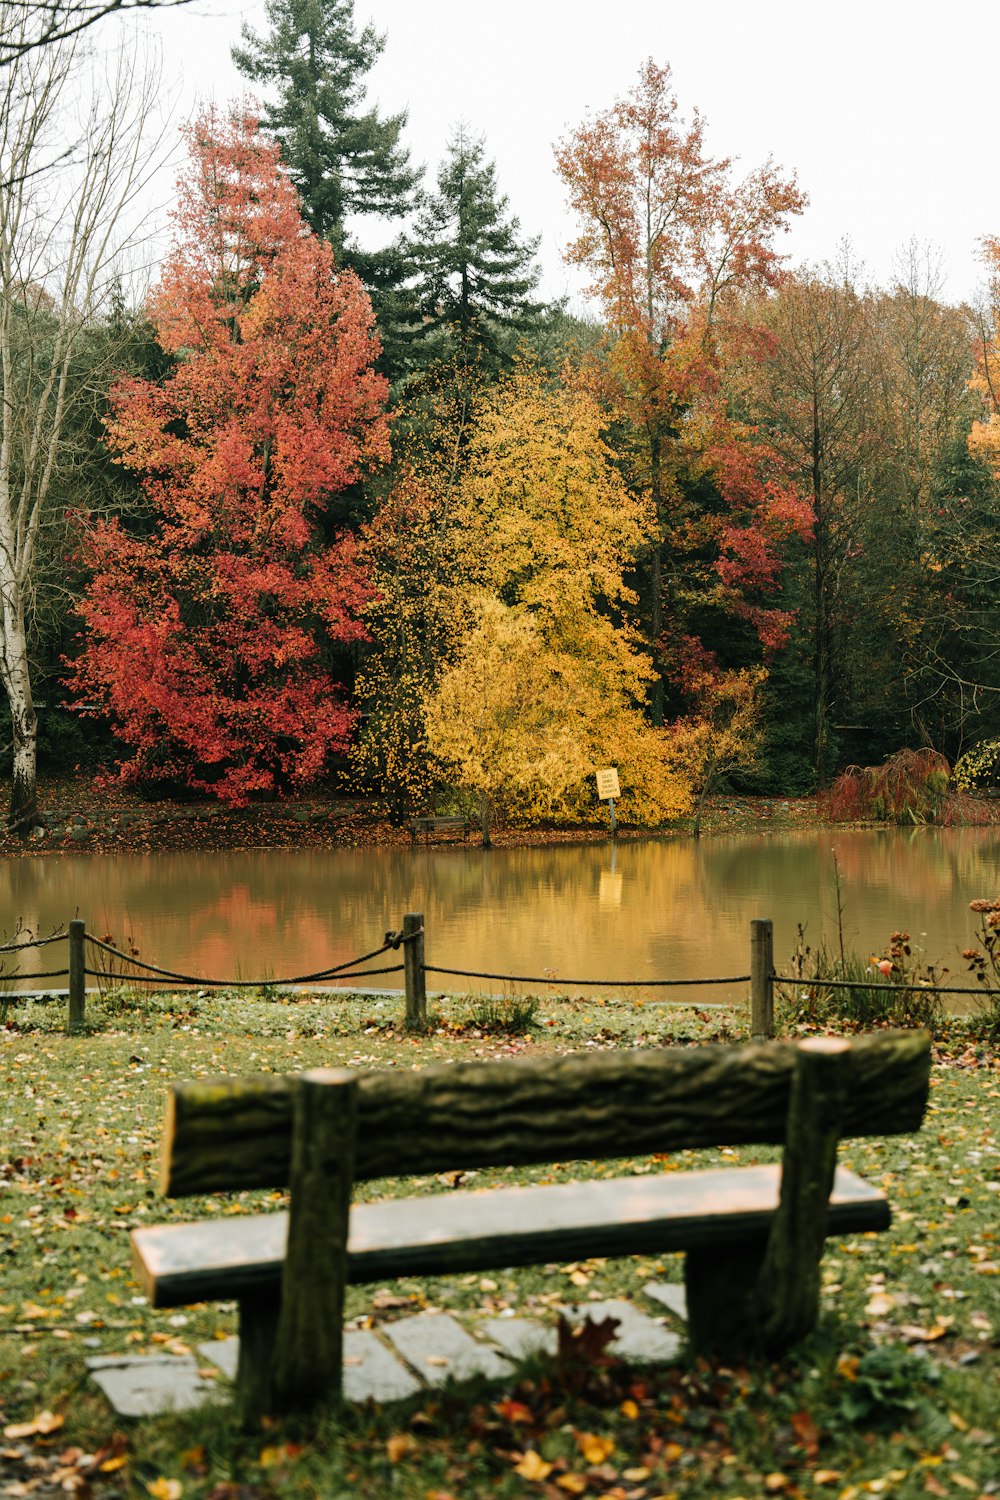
x: 753, y: 1235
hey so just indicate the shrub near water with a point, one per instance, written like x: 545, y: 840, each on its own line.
x: 910, y: 787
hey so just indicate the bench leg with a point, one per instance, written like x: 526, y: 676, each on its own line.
x: 722, y: 1311
x: 258, y: 1332
x: 309, y: 1359
x: 789, y: 1282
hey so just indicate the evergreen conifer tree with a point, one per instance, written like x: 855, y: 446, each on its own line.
x: 475, y: 276
x: 343, y: 159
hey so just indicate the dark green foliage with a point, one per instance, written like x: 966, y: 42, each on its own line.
x: 474, y: 275
x: 889, y: 1386
x: 344, y: 158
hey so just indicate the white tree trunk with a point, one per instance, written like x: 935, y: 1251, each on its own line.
x: 59, y: 217
x: 23, y: 721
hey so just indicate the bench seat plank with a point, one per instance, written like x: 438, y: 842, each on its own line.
x: 238, y: 1257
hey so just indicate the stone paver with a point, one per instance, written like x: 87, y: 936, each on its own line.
x: 439, y: 1349
x: 143, y: 1385
x: 222, y: 1352
x: 671, y: 1294
x: 435, y: 1346
x: 370, y: 1369
x: 639, y: 1337
x: 519, y: 1337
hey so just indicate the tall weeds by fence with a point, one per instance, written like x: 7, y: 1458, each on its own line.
x: 824, y: 987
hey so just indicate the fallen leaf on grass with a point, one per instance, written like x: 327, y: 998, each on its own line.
x: 914, y: 1334
x: 573, y: 1484
x: 533, y: 1466
x: 276, y: 1454
x: 40, y: 1425
x: 806, y: 1434
x: 399, y: 1446
x: 594, y: 1449
x: 514, y: 1412
x: 826, y: 1476
x: 165, y: 1489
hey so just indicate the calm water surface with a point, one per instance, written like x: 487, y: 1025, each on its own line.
x: 651, y: 910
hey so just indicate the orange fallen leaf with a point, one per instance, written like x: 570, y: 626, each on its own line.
x: 400, y: 1446
x: 629, y: 1409
x: 573, y: 1484
x: 165, y: 1489
x: 40, y: 1425
x: 533, y: 1466
x: 514, y: 1412
x: 594, y: 1449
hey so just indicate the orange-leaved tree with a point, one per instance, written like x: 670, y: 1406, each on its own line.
x: 672, y: 242
x: 210, y: 638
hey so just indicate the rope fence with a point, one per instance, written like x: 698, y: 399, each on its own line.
x: 914, y: 987
x: 762, y: 977
x: 609, y: 984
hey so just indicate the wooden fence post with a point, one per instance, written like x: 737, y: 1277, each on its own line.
x: 761, y: 980
x: 77, y: 977
x: 413, y: 969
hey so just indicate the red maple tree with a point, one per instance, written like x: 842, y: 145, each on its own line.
x: 208, y: 638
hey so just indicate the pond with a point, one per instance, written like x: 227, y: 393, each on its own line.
x: 656, y: 909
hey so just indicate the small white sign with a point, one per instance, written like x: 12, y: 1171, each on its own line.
x: 607, y: 784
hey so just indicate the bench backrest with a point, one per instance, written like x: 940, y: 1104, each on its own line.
x: 229, y: 1134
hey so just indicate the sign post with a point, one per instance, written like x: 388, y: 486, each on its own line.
x: 608, y: 789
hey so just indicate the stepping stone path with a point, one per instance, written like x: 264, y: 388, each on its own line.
x: 395, y: 1361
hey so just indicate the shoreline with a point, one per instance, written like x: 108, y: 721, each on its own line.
x: 79, y: 817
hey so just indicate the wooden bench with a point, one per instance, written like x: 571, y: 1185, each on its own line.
x: 753, y: 1235
x: 429, y: 825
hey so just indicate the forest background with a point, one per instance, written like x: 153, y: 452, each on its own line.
x: 368, y: 503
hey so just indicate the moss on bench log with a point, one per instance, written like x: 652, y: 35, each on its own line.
x: 229, y: 1134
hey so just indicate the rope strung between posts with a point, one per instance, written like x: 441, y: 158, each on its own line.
x: 874, y: 984
x: 58, y: 937
x: 49, y: 974
x: 619, y: 984
x: 348, y: 970
x: 232, y: 984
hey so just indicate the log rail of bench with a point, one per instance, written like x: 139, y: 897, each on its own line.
x: 231, y: 1134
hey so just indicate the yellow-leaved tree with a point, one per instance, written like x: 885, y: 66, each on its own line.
x: 550, y: 680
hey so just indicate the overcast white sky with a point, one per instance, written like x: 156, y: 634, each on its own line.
x: 884, y: 108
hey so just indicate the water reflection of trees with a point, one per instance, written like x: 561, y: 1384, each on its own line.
x: 656, y: 909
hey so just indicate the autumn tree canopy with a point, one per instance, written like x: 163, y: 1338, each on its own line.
x: 670, y: 237
x: 505, y: 550
x: 209, y: 640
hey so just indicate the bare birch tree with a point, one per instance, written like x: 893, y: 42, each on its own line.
x: 47, y: 22
x: 67, y: 194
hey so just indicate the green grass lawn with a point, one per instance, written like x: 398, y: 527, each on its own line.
x: 898, y: 1392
